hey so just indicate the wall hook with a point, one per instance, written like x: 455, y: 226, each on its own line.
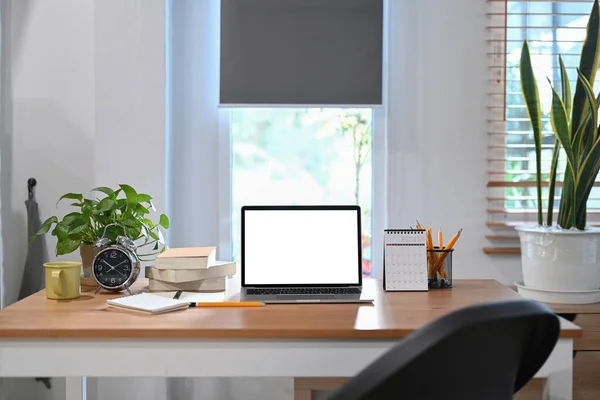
x: 31, y: 182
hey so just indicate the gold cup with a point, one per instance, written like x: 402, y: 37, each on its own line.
x: 63, y: 280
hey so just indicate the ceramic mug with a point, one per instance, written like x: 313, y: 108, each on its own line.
x: 63, y: 280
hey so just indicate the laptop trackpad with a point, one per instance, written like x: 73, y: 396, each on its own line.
x: 305, y: 297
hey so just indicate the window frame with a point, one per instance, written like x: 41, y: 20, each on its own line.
x: 379, y: 159
x: 501, y: 220
x: 225, y: 179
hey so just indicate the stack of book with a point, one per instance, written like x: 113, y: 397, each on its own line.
x: 193, y: 269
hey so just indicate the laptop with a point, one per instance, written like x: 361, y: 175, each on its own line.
x: 302, y: 254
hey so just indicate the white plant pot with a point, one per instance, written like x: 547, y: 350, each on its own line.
x: 560, y: 260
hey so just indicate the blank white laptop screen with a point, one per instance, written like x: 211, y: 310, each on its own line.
x: 301, y: 247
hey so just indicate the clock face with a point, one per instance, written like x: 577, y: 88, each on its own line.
x: 112, y: 267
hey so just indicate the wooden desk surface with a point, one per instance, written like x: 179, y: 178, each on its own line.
x: 391, y: 316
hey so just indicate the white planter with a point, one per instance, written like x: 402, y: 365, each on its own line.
x: 561, y: 260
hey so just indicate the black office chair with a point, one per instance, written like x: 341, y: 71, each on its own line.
x: 483, y: 352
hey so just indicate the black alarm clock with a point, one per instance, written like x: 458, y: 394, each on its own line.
x: 116, y: 267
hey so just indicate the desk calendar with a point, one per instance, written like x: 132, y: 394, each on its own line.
x: 405, y: 260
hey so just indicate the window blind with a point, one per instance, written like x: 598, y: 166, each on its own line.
x: 301, y: 52
x: 551, y: 27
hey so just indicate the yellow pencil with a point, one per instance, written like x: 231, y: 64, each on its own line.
x: 452, y: 241
x: 432, y: 259
x: 450, y: 246
x: 228, y: 304
x: 440, y: 241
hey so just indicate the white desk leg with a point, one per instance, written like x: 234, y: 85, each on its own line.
x: 90, y: 388
x: 74, y: 389
x: 559, y: 384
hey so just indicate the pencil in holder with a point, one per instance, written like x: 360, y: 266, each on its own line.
x: 439, y: 268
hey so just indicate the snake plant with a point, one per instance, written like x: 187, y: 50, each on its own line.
x: 574, y: 123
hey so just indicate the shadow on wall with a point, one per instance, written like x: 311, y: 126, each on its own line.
x: 53, y: 149
x: 13, y: 20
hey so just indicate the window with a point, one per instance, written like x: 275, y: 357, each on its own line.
x: 302, y: 156
x: 551, y: 28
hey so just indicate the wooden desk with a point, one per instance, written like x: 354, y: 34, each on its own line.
x: 84, y: 338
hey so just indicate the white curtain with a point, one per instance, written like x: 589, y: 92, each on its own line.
x: 193, y: 137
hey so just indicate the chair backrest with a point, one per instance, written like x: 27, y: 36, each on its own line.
x: 486, y: 351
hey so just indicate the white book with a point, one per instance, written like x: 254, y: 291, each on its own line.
x: 206, y: 285
x: 148, y: 302
x: 218, y: 270
x: 186, y: 258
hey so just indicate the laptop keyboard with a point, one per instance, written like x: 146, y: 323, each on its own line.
x: 278, y: 291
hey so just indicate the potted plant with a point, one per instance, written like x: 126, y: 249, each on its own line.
x: 120, y: 212
x: 565, y: 257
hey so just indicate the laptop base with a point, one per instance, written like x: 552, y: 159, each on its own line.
x: 306, y: 298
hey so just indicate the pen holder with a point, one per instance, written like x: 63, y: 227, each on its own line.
x: 439, y: 268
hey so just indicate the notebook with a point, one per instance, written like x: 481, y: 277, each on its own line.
x: 405, y: 260
x: 149, y: 303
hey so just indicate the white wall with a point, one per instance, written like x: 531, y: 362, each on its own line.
x: 48, y: 129
x: 48, y: 126
x: 129, y: 123
x: 83, y: 90
x: 437, y: 128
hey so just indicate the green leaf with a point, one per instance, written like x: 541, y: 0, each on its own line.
x: 88, y: 207
x: 106, y: 190
x: 45, y: 227
x: 588, y: 65
x: 531, y: 96
x: 591, y: 102
x: 141, y: 209
x: 113, y: 231
x: 560, y: 125
x: 155, y: 246
x: 122, y: 204
x: 106, y: 204
x: 130, y: 194
x: 69, y: 218
x: 61, y: 231
x: 72, y: 196
x: 144, y: 198
x: 135, y: 232
x: 78, y: 229
x: 588, y: 171
x: 67, y: 246
x: 552, y: 182
x: 567, y: 201
x: 130, y: 222
x: 591, y: 131
x: 565, y: 87
x: 164, y: 221
x: 154, y: 235
x: 78, y: 226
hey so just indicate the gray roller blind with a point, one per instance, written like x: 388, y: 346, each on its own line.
x: 301, y: 52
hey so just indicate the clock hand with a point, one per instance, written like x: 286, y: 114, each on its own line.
x: 109, y: 266
x: 122, y: 262
x: 123, y: 275
x: 114, y: 268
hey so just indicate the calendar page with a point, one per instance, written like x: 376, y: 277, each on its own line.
x: 405, y: 260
